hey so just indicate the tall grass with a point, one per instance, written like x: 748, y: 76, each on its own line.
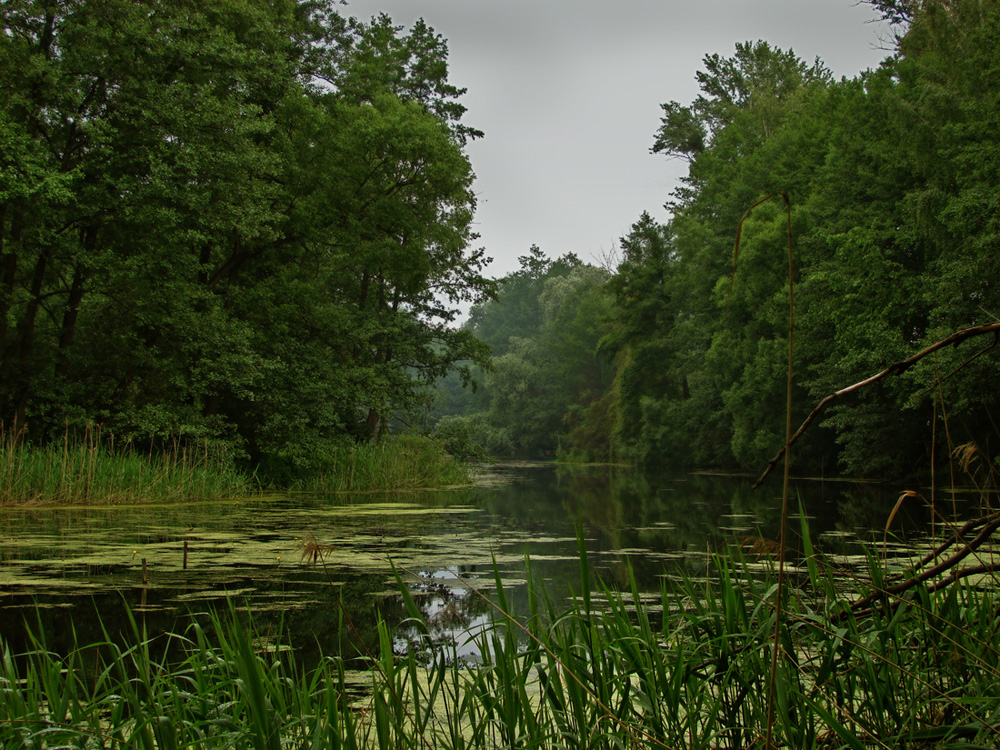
x: 93, y: 470
x: 96, y: 471
x: 608, y: 670
x: 401, y: 462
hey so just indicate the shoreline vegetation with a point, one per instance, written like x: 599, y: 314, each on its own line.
x: 861, y: 667
x: 94, y: 470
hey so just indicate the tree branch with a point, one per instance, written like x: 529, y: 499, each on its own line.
x: 894, y: 369
x: 866, y: 605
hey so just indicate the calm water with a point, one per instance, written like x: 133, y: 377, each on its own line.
x: 58, y: 567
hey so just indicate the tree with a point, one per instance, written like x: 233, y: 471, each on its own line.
x: 249, y: 223
x: 891, y: 178
x: 544, y: 328
x: 693, y: 350
x: 132, y: 108
x: 752, y: 85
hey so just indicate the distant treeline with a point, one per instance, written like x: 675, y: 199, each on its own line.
x: 663, y: 356
x: 242, y: 224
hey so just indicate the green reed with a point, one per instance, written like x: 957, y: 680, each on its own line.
x: 93, y: 470
x: 400, y: 462
x: 609, y: 669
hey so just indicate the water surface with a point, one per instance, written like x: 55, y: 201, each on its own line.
x: 319, y: 566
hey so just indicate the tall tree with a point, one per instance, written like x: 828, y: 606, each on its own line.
x: 249, y: 222
x: 544, y: 327
x: 892, y: 181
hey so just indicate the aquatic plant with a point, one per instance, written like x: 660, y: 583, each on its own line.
x: 400, y: 462
x: 688, y: 668
x: 94, y: 469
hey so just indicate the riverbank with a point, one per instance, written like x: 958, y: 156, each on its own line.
x: 688, y: 668
x: 95, y: 471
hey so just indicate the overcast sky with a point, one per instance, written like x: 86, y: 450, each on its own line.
x: 568, y: 93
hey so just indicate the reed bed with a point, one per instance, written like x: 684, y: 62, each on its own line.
x: 401, y: 462
x: 93, y: 471
x: 608, y: 670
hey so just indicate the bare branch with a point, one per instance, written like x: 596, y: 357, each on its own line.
x: 894, y: 369
x: 866, y: 605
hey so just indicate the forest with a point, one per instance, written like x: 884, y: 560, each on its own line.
x: 672, y: 353
x: 239, y: 225
x: 249, y: 226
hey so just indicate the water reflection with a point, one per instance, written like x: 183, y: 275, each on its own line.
x: 60, y: 567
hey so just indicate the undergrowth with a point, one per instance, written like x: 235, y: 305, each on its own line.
x: 94, y: 470
x: 401, y: 462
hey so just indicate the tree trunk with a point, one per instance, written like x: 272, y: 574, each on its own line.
x: 68, y: 329
x: 204, y: 258
x: 67, y: 332
x: 8, y: 266
x: 26, y: 342
x: 374, y: 425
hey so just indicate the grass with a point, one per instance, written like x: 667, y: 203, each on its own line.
x: 93, y: 470
x: 611, y: 669
x: 96, y: 471
x: 401, y: 462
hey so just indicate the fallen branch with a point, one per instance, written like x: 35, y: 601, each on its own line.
x: 989, y: 524
x: 959, y: 536
x: 891, y: 606
x: 894, y: 369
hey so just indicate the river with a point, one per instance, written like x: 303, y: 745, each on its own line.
x: 317, y: 567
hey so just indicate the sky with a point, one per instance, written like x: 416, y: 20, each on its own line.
x: 568, y: 94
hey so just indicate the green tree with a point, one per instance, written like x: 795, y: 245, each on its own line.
x: 695, y: 348
x: 750, y: 88
x: 159, y: 125
x: 912, y: 169
x: 517, y: 309
x: 546, y: 374
x: 245, y: 222
x: 892, y: 181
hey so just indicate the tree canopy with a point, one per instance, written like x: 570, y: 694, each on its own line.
x: 892, y: 178
x: 248, y: 222
x: 893, y: 185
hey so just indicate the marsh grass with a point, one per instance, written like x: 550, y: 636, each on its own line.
x: 401, y: 462
x: 94, y: 470
x: 606, y: 670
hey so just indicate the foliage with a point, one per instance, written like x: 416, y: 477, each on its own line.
x: 462, y: 436
x: 676, y: 358
x: 892, y: 180
x: 546, y: 375
x: 248, y: 223
x: 610, y: 668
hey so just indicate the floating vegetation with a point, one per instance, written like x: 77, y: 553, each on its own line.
x: 251, y: 552
x: 685, y: 668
